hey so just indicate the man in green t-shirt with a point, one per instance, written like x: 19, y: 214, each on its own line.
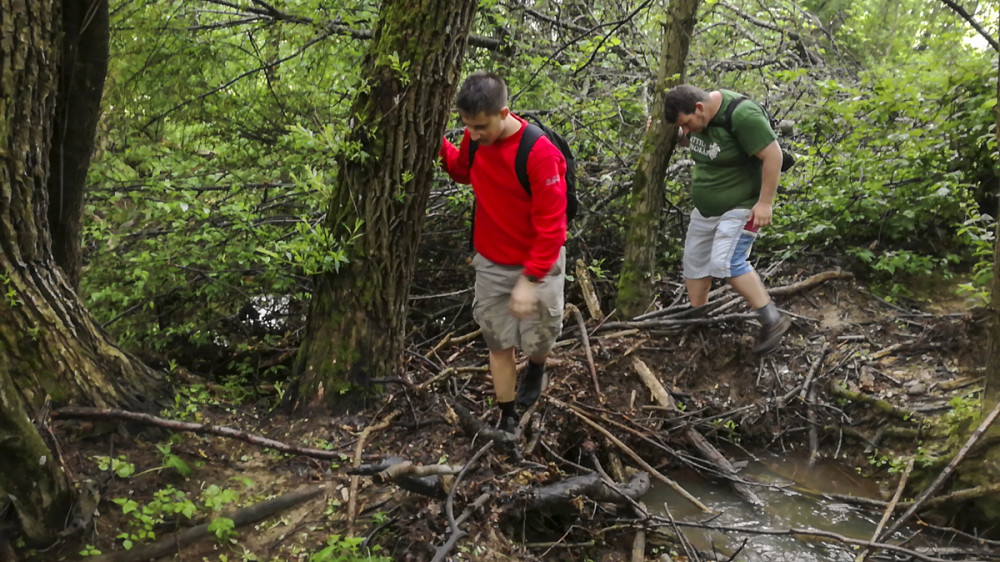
x: 733, y: 184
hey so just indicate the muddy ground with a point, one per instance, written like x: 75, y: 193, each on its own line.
x: 804, y: 399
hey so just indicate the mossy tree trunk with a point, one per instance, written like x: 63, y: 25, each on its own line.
x: 50, y: 347
x: 357, y: 317
x: 635, y: 284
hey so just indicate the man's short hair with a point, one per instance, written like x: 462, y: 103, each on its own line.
x: 682, y: 99
x: 482, y: 92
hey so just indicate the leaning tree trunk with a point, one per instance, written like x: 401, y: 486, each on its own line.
x: 81, y: 83
x: 357, y: 317
x: 50, y: 347
x: 635, y: 283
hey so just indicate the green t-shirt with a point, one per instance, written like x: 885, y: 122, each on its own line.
x: 726, y: 174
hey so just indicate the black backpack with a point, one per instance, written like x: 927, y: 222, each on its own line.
x: 787, y: 158
x: 531, y: 134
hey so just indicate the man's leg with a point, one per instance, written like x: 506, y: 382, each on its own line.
x: 503, y: 370
x: 751, y: 288
x: 698, y: 290
x: 731, y: 253
x: 774, y: 324
x: 539, y: 334
x: 531, y: 385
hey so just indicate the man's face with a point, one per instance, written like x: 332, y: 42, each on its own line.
x: 485, y: 128
x: 693, y: 122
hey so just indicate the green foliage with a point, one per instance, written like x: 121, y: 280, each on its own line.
x: 965, y: 412
x: 170, y: 503
x: 119, y: 466
x: 346, y: 549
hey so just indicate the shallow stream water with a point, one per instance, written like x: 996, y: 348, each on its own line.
x: 793, y: 497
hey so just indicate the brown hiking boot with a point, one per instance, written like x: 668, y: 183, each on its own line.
x: 771, y: 334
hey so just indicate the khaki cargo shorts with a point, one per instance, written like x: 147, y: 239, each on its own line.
x: 491, y: 309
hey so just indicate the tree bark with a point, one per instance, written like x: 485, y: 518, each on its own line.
x: 81, y: 85
x: 635, y: 284
x: 50, y: 347
x: 356, y: 326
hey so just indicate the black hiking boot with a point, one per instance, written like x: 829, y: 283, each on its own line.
x: 530, y: 388
x: 508, y: 424
x: 771, y: 334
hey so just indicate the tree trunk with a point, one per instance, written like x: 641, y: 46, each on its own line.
x: 50, y: 347
x: 357, y: 318
x: 635, y: 284
x: 984, y: 468
x: 81, y: 85
x: 991, y: 393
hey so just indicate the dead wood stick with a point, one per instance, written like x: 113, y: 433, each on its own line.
x: 406, y: 468
x: 444, y: 549
x: 449, y: 503
x: 444, y: 341
x: 880, y: 405
x: 595, y: 486
x: 814, y: 370
x: 794, y: 531
x: 964, y: 494
x: 449, y: 371
x: 696, y: 439
x: 466, y: 338
x: 587, y: 288
x: 808, y: 282
x: 73, y: 412
x: 813, y: 425
x: 352, y: 501
x: 625, y: 449
x: 774, y: 291
x: 639, y: 546
x: 240, y: 517
x: 939, y: 481
x: 585, y: 340
x: 888, y: 511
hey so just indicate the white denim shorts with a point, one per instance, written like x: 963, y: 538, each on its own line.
x: 491, y: 309
x: 718, y: 246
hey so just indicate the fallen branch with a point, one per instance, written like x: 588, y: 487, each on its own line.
x: 241, y: 517
x: 352, y: 497
x: 696, y: 439
x: 888, y: 511
x: 423, y: 480
x: 456, y: 532
x: 74, y: 412
x: 592, y: 486
x: 587, y: 288
x: 939, y: 481
x: 639, y: 460
x: 585, y: 340
x: 793, y: 531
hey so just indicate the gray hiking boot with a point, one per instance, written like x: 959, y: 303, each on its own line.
x: 771, y: 334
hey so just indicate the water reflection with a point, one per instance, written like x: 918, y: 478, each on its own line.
x: 792, y: 498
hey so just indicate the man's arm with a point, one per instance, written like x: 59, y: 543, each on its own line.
x: 761, y: 212
x: 455, y: 161
x: 547, y: 174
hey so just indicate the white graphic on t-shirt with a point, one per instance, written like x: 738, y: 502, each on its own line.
x: 701, y: 147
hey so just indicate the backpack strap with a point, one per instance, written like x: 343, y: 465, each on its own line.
x: 728, y: 115
x: 473, y: 146
x: 529, y: 137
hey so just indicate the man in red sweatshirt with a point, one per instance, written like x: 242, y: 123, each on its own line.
x: 518, y: 236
